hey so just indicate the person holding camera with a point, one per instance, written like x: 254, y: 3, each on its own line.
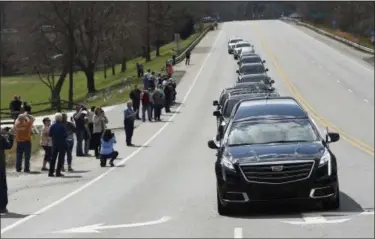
x: 107, y: 141
x: 100, y: 121
x: 6, y: 143
x: 129, y: 118
x: 23, y: 126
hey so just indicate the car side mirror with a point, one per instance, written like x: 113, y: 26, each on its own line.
x: 332, y: 137
x: 212, y: 145
x: 238, y: 63
x: 217, y: 113
x: 215, y: 103
x: 272, y: 81
x: 266, y: 69
x: 237, y: 71
x: 264, y: 61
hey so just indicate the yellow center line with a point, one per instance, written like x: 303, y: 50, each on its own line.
x: 316, y: 116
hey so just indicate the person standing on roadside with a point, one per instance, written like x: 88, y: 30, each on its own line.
x: 46, y: 143
x: 146, y: 78
x: 79, y: 120
x: 59, y: 145
x: 135, y: 96
x: 15, y: 107
x: 168, y: 96
x: 187, y: 57
x: 146, y: 105
x: 70, y: 130
x: 158, y: 104
x: 6, y: 143
x: 23, y: 126
x: 100, y: 122
x: 129, y: 118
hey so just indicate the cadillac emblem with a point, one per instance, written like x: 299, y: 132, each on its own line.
x: 278, y: 168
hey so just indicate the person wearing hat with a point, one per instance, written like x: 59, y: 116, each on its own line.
x: 59, y: 136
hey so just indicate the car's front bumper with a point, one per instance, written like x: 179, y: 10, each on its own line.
x: 233, y: 188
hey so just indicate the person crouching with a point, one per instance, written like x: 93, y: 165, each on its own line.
x: 108, y: 140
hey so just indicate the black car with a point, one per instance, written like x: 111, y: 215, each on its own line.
x: 250, y: 59
x: 223, y: 115
x: 251, y: 68
x: 271, y: 151
x: 254, y: 87
x: 256, y: 78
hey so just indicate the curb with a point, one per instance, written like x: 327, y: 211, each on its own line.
x: 323, y: 32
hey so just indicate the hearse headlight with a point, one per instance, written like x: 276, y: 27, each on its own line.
x: 325, y: 160
x: 227, y: 162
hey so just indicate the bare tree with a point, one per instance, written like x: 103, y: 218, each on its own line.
x: 161, y: 23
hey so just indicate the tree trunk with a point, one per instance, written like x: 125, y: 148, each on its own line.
x: 148, y: 38
x: 55, y: 93
x: 123, y: 64
x: 157, y: 47
x: 105, y: 70
x: 89, y: 73
x: 113, y: 68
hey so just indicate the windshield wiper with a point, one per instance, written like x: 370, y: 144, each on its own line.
x: 286, y: 141
x: 232, y: 145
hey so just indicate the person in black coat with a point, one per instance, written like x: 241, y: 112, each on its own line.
x: 6, y: 143
x: 135, y: 96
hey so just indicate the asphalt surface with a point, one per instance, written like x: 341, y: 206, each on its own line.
x: 172, y: 175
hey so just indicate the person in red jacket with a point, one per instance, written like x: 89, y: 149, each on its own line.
x: 146, y: 105
x: 169, y: 70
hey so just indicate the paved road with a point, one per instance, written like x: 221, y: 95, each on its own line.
x: 172, y: 175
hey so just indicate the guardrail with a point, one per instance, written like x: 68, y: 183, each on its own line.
x: 181, y: 57
x: 323, y: 32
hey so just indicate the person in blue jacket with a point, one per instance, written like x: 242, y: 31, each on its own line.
x: 59, y: 137
x: 107, y: 151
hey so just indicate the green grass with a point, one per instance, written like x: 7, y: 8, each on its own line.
x: 32, y: 90
x: 11, y: 154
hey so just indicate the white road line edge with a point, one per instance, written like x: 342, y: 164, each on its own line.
x: 78, y: 190
x: 238, y: 232
x: 96, y: 228
x: 338, y: 81
x: 308, y: 220
x: 365, y: 100
x: 350, y: 90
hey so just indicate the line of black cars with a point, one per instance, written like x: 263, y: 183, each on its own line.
x: 268, y: 147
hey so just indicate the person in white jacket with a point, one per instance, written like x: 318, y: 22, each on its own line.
x: 100, y: 122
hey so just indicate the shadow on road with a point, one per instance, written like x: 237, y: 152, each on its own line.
x: 34, y: 172
x: 13, y: 215
x: 71, y: 176
x: 293, y: 210
x: 80, y: 171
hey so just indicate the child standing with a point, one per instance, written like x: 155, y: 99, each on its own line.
x: 108, y: 141
x: 46, y: 143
